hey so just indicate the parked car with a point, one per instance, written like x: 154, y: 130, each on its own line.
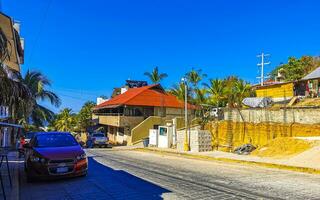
x: 99, y: 139
x: 53, y: 155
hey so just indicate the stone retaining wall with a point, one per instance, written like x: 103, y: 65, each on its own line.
x: 288, y: 115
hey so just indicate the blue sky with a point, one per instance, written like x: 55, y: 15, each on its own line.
x: 87, y: 48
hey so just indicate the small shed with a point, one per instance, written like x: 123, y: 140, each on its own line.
x: 312, y: 82
x: 276, y: 91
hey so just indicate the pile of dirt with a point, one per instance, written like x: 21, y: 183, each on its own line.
x: 283, y: 147
x: 308, y: 102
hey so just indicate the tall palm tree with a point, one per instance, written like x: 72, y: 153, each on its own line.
x: 203, y: 111
x: 155, y: 76
x: 241, y: 90
x: 195, y: 76
x: 14, y: 93
x: 178, y: 90
x: 65, y: 120
x: 217, y: 91
x: 37, y: 83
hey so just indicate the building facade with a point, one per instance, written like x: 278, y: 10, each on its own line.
x: 125, y: 111
x: 11, y: 57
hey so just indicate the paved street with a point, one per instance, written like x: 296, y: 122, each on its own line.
x: 127, y: 174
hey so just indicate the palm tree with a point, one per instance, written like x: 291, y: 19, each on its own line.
x: 14, y: 93
x: 241, y: 90
x: 195, y: 76
x: 203, y: 111
x: 84, y: 117
x: 65, y: 120
x: 36, y: 83
x: 217, y: 92
x: 178, y: 90
x: 155, y: 76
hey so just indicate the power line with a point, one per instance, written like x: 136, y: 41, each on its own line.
x: 262, y: 64
x: 34, y: 46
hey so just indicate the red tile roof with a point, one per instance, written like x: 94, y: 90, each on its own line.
x: 151, y: 95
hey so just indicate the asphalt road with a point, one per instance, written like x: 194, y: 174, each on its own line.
x: 123, y: 174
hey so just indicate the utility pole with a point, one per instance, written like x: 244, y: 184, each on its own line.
x: 186, y: 146
x: 262, y: 64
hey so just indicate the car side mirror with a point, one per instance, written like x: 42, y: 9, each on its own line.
x: 27, y: 146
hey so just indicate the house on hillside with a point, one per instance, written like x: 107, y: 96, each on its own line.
x: 308, y: 86
x: 145, y: 107
x: 312, y: 83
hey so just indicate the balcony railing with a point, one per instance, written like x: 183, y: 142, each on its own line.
x: 116, y: 114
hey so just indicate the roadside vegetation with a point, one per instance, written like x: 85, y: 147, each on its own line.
x: 68, y: 121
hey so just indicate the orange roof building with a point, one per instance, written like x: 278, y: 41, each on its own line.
x: 125, y: 111
x: 151, y: 95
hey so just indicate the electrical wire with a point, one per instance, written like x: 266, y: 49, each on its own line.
x: 35, y: 43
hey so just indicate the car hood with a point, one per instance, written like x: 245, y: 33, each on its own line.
x: 60, y: 152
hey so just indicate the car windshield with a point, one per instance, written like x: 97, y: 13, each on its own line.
x: 98, y: 135
x: 54, y: 140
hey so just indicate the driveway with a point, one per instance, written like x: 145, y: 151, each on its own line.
x: 126, y: 174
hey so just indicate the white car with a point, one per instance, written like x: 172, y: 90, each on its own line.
x: 99, y: 139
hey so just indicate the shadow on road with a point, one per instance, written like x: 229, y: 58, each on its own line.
x: 102, y: 182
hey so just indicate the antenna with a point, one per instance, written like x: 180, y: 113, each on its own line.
x: 262, y: 64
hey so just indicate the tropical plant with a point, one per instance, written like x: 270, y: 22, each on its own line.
x: 217, y: 92
x: 178, y: 90
x: 84, y: 117
x: 14, y: 93
x: 203, y: 110
x: 296, y: 69
x: 36, y: 82
x: 155, y: 76
x: 241, y: 90
x: 195, y: 77
x: 65, y: 120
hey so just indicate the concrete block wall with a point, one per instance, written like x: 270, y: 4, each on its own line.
x: 200, y: 140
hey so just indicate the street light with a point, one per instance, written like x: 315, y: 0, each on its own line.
x: 186, y: 141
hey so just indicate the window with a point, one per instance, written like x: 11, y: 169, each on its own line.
x: 54, y: 140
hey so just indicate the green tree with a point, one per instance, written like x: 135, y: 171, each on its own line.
x: 36, y: 82
x: 155, y: 76
x: 14, y: 93
x: 84, y: 117
x: 178, y: 90
x: 217, y: 92
x: 65, y: 121
x: 202, y: 111
x: 195, y: 77
x: 241, y: 90
x: 295, y: 69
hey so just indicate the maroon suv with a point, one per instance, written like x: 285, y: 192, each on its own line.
x: 54, y: 154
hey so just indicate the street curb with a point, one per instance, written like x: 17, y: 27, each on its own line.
x: 229, y: 160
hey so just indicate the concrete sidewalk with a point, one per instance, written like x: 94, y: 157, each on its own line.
x: 12, y: 192
x: 296, y: 163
